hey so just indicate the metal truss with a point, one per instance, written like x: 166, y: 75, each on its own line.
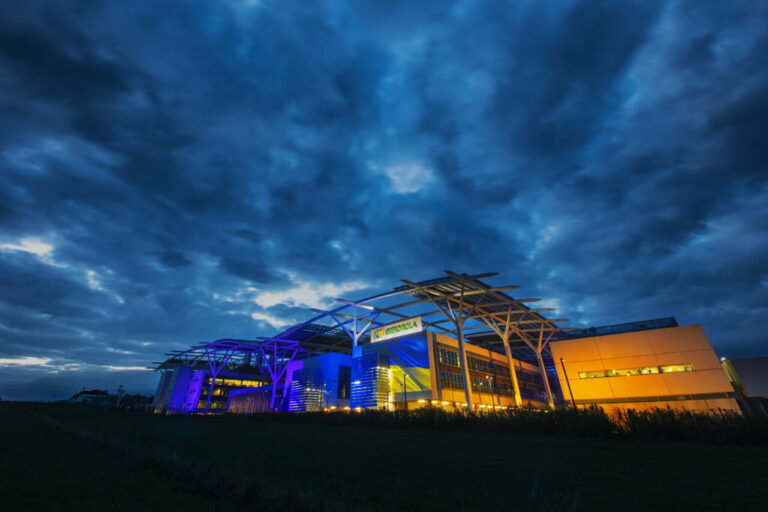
x: 464, y: 307
x: 270, y: 355
x: 273, y: 358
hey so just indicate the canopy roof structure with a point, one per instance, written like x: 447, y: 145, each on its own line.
x: 489, y: 311
x: 458, y: 305
x: 270, y: 356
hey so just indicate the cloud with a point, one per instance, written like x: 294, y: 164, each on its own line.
x: 125, y: 368
x: 272, y: 320
x: 307, y: 294
x: 25, y: 361
x: 210, y: 174
x: 92, y: 280
x: 410, y: 177
x: 35, y: 246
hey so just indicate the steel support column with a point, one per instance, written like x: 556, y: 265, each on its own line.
x: 513, y: 373
x: 278, y: 351
x: 457, y: 317
x: 504, y: 335
x: 464, y: 367
x: 356, y: 333
x: 216, y: 368
x: 543, y: 370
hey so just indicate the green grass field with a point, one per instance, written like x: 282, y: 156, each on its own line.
x: 359, y: 468
x: 44, y: 469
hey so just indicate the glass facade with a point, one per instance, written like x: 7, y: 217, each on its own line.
x: 370, y: 380
x: 450, y: 380
x: 448, y: 357
x: 345, y: 379
x: 221, y: 389
x: 486, y: 376
x: 306, y: 390
x: 484, y: 366
x: 451, y: 358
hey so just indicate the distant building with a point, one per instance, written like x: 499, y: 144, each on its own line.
x: 97, y: 397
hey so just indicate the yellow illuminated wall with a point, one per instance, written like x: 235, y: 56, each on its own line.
x: 674, y: 367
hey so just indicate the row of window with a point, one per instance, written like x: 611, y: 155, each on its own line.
x: 647, y: 370
x: 235, y: 383
x: 448, y: 357
x: 216, y: 392
x: 215, y: 404
x: 450, y: 380
x: 451, y: 358
x: 532, y: 378
x: 487, y: 367
x: 490, y: 386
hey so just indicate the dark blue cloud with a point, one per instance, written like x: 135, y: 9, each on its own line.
x: 183, y: 172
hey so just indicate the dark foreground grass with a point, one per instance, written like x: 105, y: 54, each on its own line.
x: 287, y: 465
x: 42, y: 468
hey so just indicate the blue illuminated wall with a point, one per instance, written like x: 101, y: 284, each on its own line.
x: 313, y: 383
x: 370, y: 380
x: 194, y: 390
x: 180, y: 390
x: 179, y: 384
x: 249, y: 400
x: 306, y: 389
x: 381, y: 369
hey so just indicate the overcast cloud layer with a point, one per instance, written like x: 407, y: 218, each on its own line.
x: 175, y: 172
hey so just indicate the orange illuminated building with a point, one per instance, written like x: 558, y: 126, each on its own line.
x: 672, y: 367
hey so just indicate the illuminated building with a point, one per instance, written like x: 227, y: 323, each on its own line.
x: 660, y: 366
x: 454, y: 342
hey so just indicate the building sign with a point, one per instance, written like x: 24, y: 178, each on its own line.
x: 396, y: 329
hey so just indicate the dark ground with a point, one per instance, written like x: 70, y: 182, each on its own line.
x: 49, y: 461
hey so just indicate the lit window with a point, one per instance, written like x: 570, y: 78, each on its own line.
x: 448, y: 357
x: 632, y: 371
x: 591, y: 375
x: 671, y: 368
x: 628, y: 372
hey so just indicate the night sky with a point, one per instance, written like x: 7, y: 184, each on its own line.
x: 175, y: 172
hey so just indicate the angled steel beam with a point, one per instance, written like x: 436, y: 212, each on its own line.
x: 504, y: 335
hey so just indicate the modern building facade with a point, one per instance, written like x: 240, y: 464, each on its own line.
x: 455, y: 343
x: 411, y: 371
x: 664, y: 367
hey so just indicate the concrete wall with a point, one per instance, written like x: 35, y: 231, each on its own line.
x: 703, y: 389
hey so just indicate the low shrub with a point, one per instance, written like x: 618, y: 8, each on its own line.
x: 657, y: 424
x: 680, y: 425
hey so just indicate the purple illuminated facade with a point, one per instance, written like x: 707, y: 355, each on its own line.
x: 200, y: 380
